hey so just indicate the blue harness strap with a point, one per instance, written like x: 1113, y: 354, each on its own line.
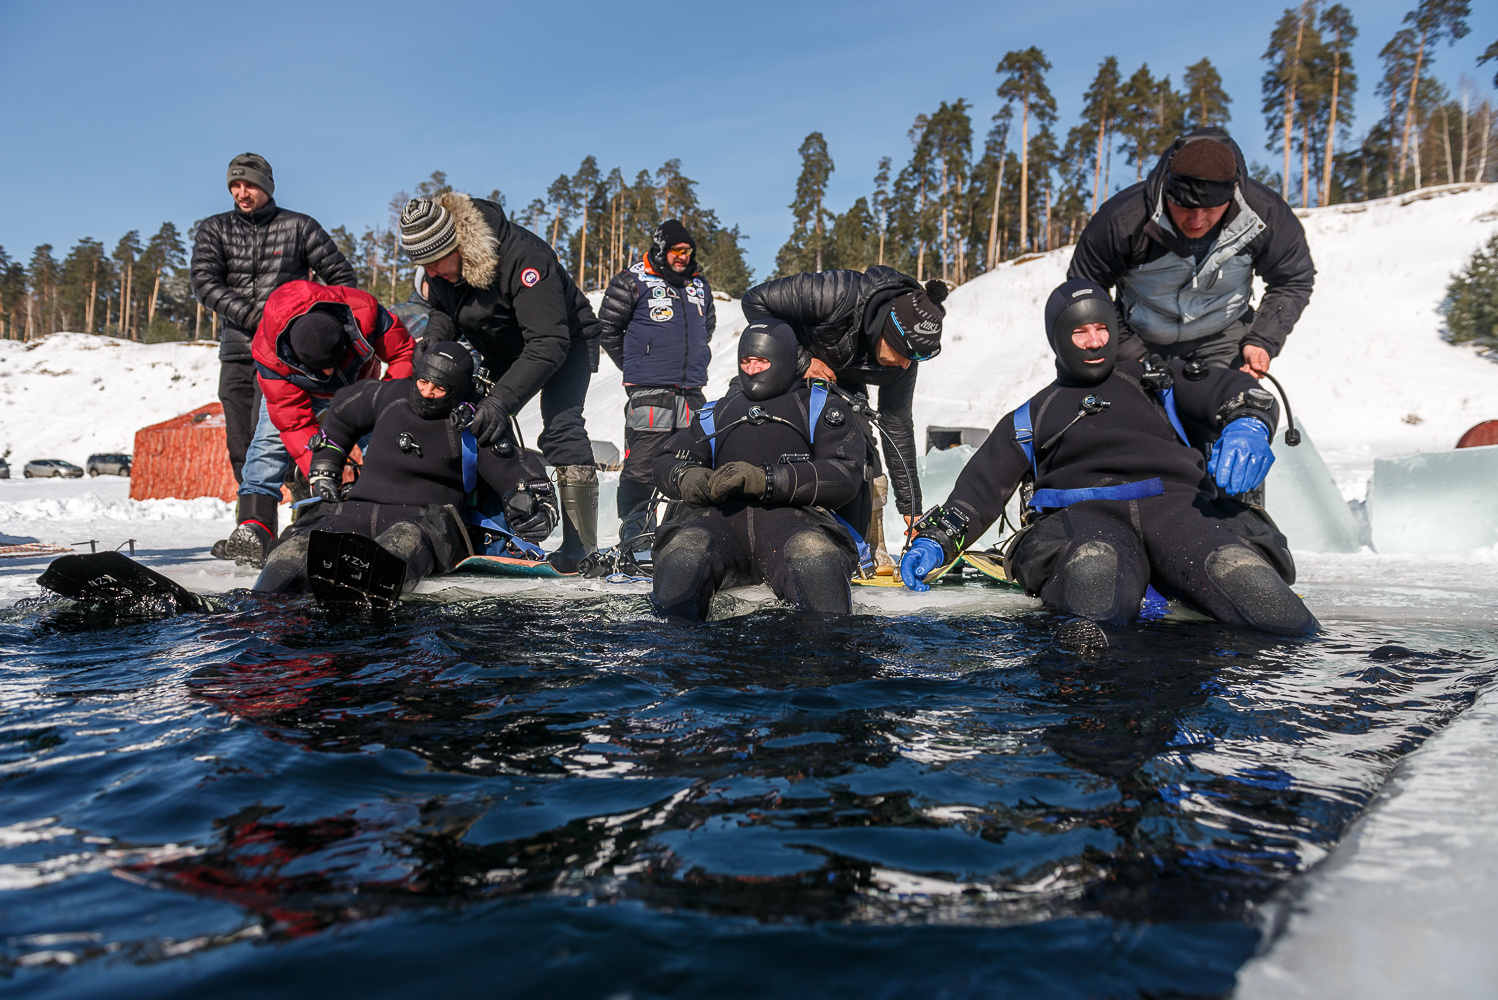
x: 1123, y: 491
x: 865, y: 554
x: 499, y: 526
x: 705, y: 419
x: 470, y: 462
x: 817, y: 403
x: 1024, y: 436
x: 1168, y: 400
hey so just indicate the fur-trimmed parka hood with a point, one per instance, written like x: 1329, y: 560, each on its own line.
x: 478, y: 240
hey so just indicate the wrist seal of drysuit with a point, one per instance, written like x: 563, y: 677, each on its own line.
x: 944, y: 526
x: 1255, y: 402
x: 328, y: 458
x: 681, y: 468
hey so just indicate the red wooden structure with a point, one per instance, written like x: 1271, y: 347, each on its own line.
x: 1484, y: 433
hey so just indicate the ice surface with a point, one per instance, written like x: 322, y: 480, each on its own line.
x: 1302, y: 497
x: 1441, y: 501
x: 1405, y: 905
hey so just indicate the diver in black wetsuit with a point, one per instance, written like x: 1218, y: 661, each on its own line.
x: 1121, y: 500
x: 759, y: 472
x: 410, y: 493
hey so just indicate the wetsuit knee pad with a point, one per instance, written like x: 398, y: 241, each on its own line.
x: 681, y: 585
x: 1089, y: 583
x: 285, y: 568
x: 1261, y: 598
x: 818, y: 571
x: 401, y: 539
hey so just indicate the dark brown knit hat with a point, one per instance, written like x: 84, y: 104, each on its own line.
x: 317, y: 340
x: 1206, y: 159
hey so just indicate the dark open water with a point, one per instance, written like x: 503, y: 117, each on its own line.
x: 561, y: 798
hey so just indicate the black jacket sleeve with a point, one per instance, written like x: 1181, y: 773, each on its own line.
x: 541, y: 311
x: 712, y: 312
x: 1111, y: 239
x: 324, y: 257
x: 897, y: 439
x: 615, y: 313
x: 210, y: 266
x: 794, y: 299
x: 1288, y: 272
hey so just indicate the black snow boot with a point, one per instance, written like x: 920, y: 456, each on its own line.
x: 247, y: 544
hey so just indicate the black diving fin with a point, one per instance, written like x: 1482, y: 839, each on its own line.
x: 115, y: 578
x: 347, y: 568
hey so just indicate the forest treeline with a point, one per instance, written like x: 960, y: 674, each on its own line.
x: 954, y: 209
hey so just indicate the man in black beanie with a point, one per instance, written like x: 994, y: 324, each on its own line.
x: 238, y: 258
x: 861, y: 329
x: 1180, y: 250
x: 657, y: 322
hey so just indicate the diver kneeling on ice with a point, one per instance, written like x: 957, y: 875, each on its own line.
x: 759, y: 473
x: 1121, y: 500
x: 420, y: 464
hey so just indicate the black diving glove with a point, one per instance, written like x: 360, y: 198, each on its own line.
x: 491, y: 422
x: 692, y: 484
x: 738, y: 479
x: 531, y: 509
x: 324, y: 487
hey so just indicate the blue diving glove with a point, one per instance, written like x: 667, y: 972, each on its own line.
x: 1241, y: 457
x: 922, y: 557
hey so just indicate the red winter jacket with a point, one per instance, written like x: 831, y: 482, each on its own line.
x: 289, y: 386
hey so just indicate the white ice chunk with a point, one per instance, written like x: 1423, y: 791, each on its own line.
x: 938, y: 471
x: 1302, y: 497
x: 1439, y: 501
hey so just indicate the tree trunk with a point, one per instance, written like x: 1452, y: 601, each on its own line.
x: 945, y: 250
x: 1487, y: 138
x: 151, y: 309
x: 1024, y: 175
x: 128, y: 302
x: 1446, y: 142
x: 1331, y: 131
x: 582, y: 257
x: 1305, y: 161
x: 1097, y: 167
x: 93, y: 294
x: 818, y: 230
x: 1290, y: 86
x: 1415, y: 149
x: 197, y: 321
x: 993, y: 217
x: 1409, y: 112
x: 1465, y: 114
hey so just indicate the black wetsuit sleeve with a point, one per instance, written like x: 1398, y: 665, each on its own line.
x: 1102, y: 252
x: 834, y: 475
x: 897, y: 439
x: 353, y: 413
x: 986, y: 482
x: 614, y: 314
x: 1208, y: 402
x: 668, y: 466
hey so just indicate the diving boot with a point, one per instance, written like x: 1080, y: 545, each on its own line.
x: 578, y: 491
x: 248, y: 543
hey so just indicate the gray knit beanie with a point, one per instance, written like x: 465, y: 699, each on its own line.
x: 252, y: 167
x: 428, y: 232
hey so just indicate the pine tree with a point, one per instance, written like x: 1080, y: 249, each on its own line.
x: 585, y: 186
x: 1471, y: 304
x: 163, y: 250
x: 1488, y: 55
x: 995, y: 154
x: 1398, y: 55
x: 881, y: 203
x: 1152, y: 116
x: 1285, y: 55
x: 1100, y: 112
x: 1206, y: 101
x: 1025, y: 84
x: 126, y: 251
x: 41, y: 281
x: 12, y: 292
x: 1338, y: 33
x: 1431, y: 21
x: 805, y: 248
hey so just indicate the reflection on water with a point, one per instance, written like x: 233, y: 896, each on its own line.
x: 771, y: 804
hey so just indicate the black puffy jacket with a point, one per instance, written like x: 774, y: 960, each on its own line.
x: 516, y: 304
x: 238, y: 259
x: 838, y: 316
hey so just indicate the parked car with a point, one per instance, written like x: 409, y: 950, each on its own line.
x: 108, y: 465
x: 4, y: 469
x: 41, y: 468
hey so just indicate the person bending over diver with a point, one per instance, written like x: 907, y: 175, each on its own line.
x: 758, y: 473
x: 1121, y: 500
x: 416, y: 474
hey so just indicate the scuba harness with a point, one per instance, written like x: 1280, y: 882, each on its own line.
x: 757, y: 415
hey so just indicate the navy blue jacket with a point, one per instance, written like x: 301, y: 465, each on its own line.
x: 658, y: 332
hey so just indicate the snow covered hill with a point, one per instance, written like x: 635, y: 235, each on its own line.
x: 1366, y: 368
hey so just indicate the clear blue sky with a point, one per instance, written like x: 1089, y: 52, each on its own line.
x: 118, y: 116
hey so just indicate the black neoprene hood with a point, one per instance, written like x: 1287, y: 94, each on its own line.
x: 1077, y: 303
x: 776, y: 343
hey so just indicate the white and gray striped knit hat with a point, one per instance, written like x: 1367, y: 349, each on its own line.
x: 428, y: 232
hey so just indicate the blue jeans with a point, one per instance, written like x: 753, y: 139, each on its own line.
x: 266, y: 461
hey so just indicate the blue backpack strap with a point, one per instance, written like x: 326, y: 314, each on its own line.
x: 865, y: 554
x: 705, y: 419
x: 1024, y: 435
x: 499, y: 526
x: 1168, y: 400
x: 470, y: 462
x: 814, y: 412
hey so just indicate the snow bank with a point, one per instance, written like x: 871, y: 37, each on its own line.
x: 73, y: 394
x: 94, y: 508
